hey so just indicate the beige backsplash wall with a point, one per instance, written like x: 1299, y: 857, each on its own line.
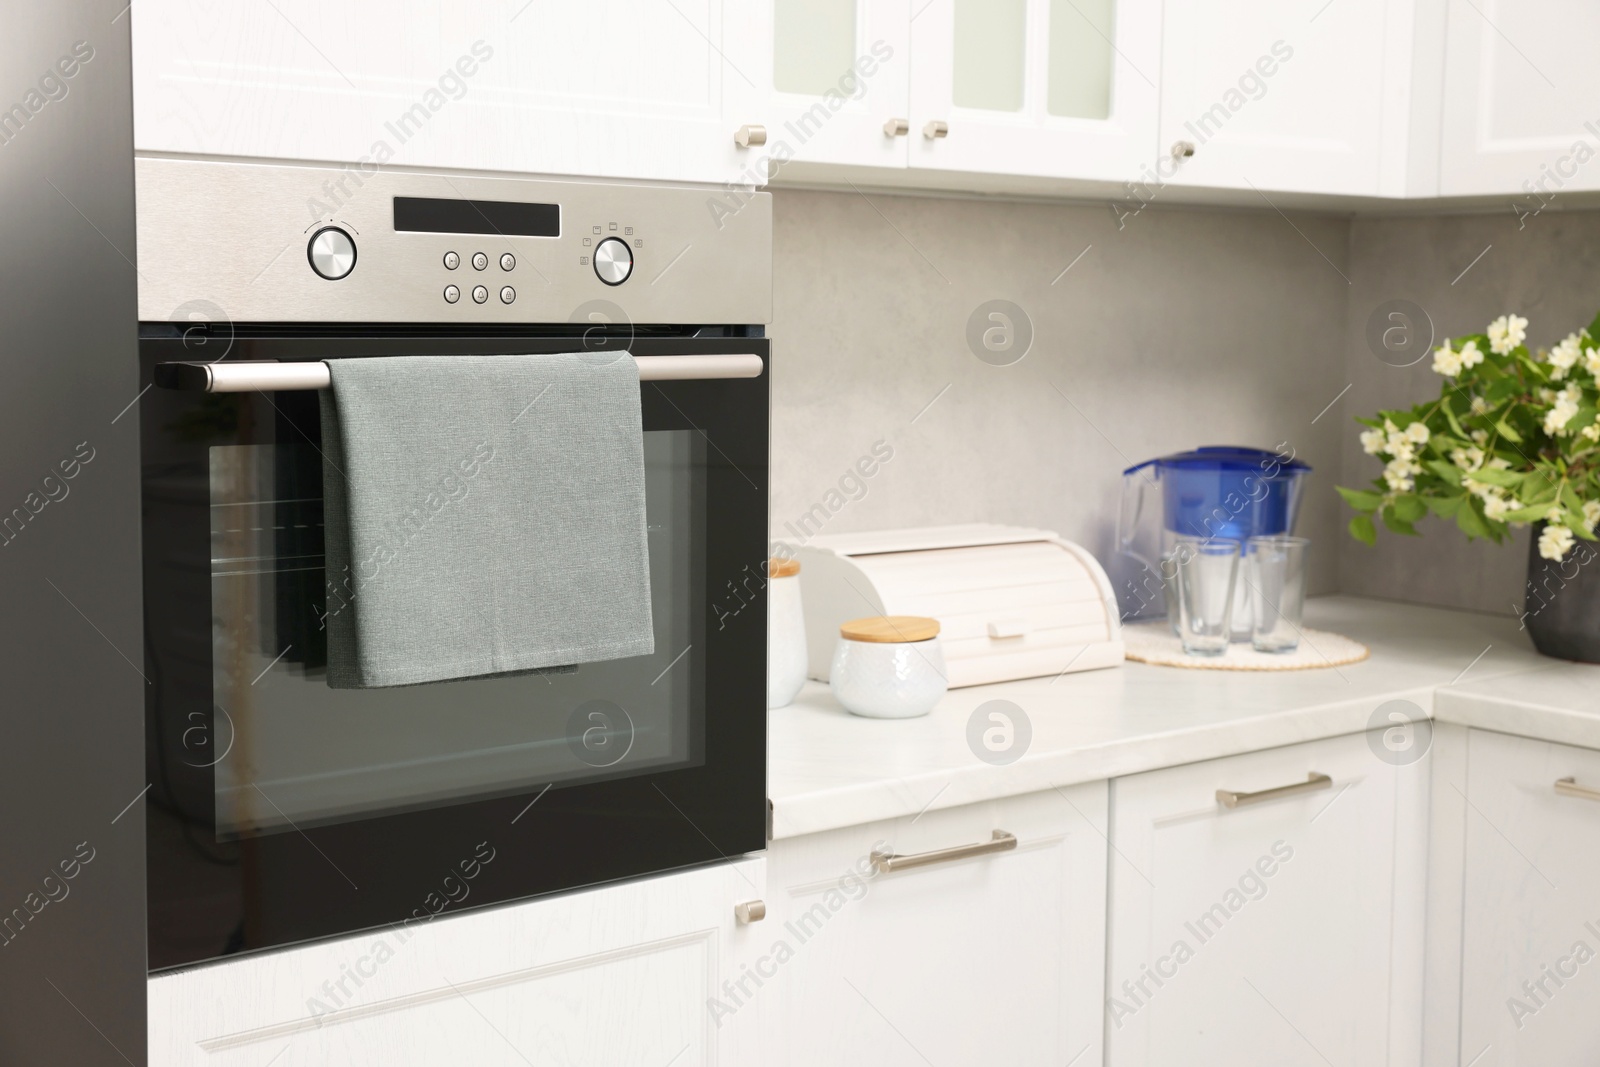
x: 1184, y: 327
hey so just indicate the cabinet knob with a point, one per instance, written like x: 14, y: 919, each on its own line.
x: 936, y: 129
x: 750, y: 136
x: 750, y: 911
x: 897, y: 127
x: 1182, y: 149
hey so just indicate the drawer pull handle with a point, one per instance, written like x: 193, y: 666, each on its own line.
x: 1314, y: 781
x: 889, y: 862
x: 1569, y: 787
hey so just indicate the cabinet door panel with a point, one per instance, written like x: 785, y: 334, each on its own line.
x: 1040, y: 88
x: 628, y: 88
x: 1260, y: 934
x: 1532, y: 905
x: 993, y: 959
x: 622, y: 974
x: 1521, y: 87
x: 1279, y: 95
x: 832, y: 73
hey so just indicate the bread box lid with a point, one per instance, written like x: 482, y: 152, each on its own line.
x: 1012, y: 602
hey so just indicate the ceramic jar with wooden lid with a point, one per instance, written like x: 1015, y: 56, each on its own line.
x: 889, y: 667
x: 786, y: 633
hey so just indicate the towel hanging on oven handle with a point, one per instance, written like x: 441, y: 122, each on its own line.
x: 270, y: 375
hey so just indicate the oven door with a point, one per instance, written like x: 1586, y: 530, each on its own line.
x: 283, y: 810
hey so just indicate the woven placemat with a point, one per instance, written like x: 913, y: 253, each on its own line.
x: 1154, y: 642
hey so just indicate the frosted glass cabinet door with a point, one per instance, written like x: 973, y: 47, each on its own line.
x: 1276, y: 94
x: 1039, y: 88
x: 625, y: 88
x: 1522, y: 91
x: 832, y: 77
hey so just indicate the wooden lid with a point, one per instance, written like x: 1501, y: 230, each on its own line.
x: 890, y: 629
x: 782, y: 568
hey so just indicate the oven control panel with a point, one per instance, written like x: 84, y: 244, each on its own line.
x: 391, y: 246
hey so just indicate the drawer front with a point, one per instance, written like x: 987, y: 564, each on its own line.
x: 1531, y: 920
x: 1245, y: 934
x: 977, y: 957
x: 622, y: 974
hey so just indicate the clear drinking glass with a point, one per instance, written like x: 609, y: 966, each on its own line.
x: 1206, y: 570
x: 1275, y: 571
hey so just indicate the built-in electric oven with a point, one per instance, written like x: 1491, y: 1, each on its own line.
x: 281, y: 809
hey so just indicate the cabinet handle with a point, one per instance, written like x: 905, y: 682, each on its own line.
x: 889, y: 862
x: 750, y: 136
x: 936, y: 129
x: 1182, y: 149
x: 1569, y: 787
x: 1314, y: 781
x: 897, y: 127
x: 750, y: 911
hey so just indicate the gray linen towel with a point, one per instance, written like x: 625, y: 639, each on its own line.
x: 482, y: 515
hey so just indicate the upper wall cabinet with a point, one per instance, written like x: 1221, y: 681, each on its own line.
x: 1042, y: 88
x: 1522, y: 99
x: 1275, y: 94
x: 833, y: 75
x: 626, y: 88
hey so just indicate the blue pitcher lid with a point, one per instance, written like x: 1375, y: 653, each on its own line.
x: 1224, y: 458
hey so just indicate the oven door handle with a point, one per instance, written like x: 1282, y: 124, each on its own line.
x: 272, y: 376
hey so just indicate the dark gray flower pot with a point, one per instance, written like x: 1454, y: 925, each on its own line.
x: 1562, y: 609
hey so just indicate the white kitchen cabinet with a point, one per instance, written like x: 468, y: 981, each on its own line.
x: 1044, y: 88
x: 834, y: 76
x: 1530, y: 973
x: 626, y: 88
x: 1267, y: 932
x: 995, y: 958
x: 618, y: 975
x: 1521, y: 100
x: 1278, y: 94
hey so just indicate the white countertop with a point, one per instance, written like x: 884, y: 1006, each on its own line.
x: 829, y: 769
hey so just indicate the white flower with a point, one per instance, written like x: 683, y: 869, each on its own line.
x: 1592, y: 431
x: 1446, y: 361
x: 1498, y: 507
x: 1565, y: 406
x: 1417, y: 433
x: 1468, y: 459
x: 1591, y: 513
x: 1564, y: 356
x: 1479, y: 489
x: 1498, y: 464
x: 1506, y: 333
x: 1397, y: 474
x: 1555, y: 541
x: 1480, y: 406
x: 1480, y: 437
x: 1372, y: 442
x: 1591, y: 361
x: 1470, y: 355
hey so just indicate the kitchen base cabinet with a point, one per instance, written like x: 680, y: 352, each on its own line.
x: 1530, y: 975
x: 1264, y: 932
x: 994, y: 957
x: 618, y: 975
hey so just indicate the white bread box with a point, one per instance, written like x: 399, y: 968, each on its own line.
x: 1011, y: 602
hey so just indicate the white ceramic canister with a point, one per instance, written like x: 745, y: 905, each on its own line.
x: 889, y: 667
x: 786, y: 633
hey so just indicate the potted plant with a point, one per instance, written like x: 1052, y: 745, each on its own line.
x: 1513, y: 440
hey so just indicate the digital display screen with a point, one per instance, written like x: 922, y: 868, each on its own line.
x: 422, y: 214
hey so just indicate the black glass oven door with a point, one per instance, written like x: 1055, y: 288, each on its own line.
x: 283, y: 809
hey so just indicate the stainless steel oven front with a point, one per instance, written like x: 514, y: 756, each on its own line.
x: 284, y: 810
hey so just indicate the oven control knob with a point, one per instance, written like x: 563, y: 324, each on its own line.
x: 332, y: 253
x: 613, y: 261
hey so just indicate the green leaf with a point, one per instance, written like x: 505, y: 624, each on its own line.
x: 1570, y: 501
x: 1501, y: 391
x: 1492, y: 476
x: 1594, y: 327
x: 1448, y: 471
x: 1445, y: 506
x: 1397, y: 524
x: 1362, y: 530
x: 1376, y: 424
x: 1450, y: 417
x: 1361, y: 500
x: 1471, y: 522
x: 1408, y: 507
